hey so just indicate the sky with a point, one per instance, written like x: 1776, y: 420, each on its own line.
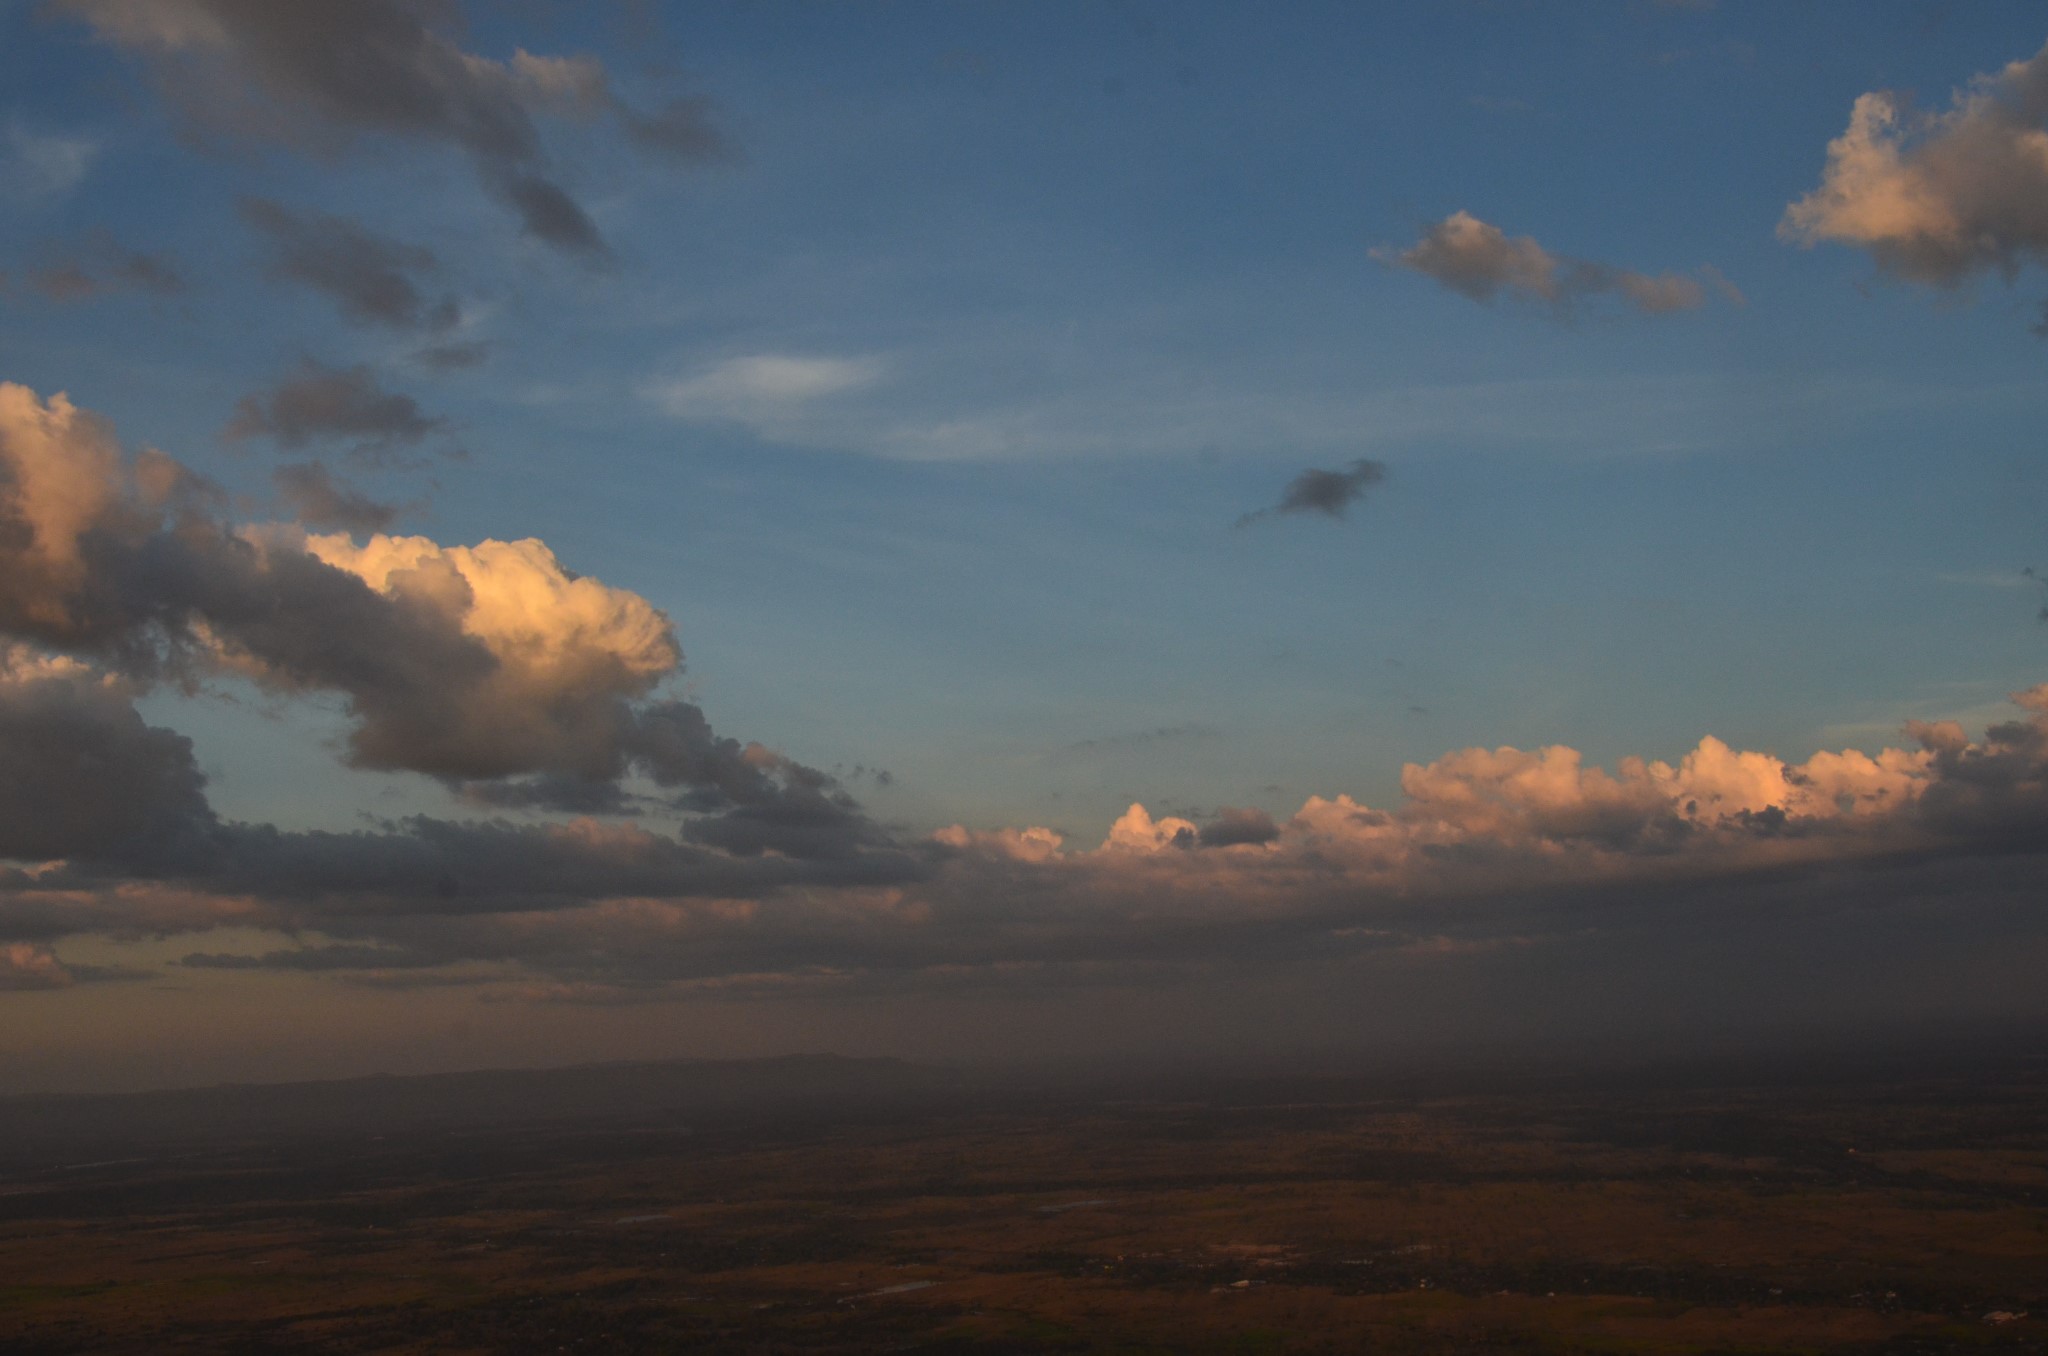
x: 536, y: 532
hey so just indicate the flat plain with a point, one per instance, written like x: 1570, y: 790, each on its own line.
x: 839, y: 1206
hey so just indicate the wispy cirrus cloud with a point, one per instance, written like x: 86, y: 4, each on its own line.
x: 760, y: 386
x: 321, y: 75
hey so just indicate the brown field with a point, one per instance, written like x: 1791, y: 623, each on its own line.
x: 1339, y: 1213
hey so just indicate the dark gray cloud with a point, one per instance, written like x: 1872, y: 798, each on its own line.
x: 682, y: 129
x: 1233, y: 827
x: 100, y: 266
x: 81, y: 775
x: 326, y: 504
x: 319, y: 74
x: 319, y: 403
x: 1330, y: 493
x: 550, y: 215
x: 372, y: 278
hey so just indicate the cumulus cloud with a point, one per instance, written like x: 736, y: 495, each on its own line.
x: 1481, y: 261
x: 1330, y: 493
x: 317, y: 403
x: 534, y: 691
x: 372, y: 278
x: 1938, y: 197
x: 467, y: 663
x: 321, y: 73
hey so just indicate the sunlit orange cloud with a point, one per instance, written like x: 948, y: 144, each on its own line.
x: 498, y: 670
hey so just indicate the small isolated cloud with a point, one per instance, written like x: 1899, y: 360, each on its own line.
x: 454, y: 357
x: 42, y: 167
x: 1937, y: 198
x: 748, y: 387
x: 318, y: 403
x: 1330, y: 493
x: 23, y: 965
x: 100, y: 266
x: 1234, y: 828
x: 327, y: 504
x: 1483, y: 262
x: 374, y: 279
x: 320, y: 74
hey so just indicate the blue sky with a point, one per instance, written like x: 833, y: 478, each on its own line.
x: 928, y: 407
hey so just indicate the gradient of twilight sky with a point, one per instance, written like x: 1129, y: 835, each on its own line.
x: 951, y: 380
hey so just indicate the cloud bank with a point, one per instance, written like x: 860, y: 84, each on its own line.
x: 608, y: 836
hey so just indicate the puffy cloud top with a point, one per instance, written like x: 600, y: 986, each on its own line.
x: 1938, y: 197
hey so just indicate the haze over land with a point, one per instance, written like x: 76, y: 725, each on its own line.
x: 540, y: 533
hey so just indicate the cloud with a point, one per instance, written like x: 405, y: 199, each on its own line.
x: 99, y: 266
x: 373, y: 279
x: 81, y: 774
x: 464, y: 662
x: 533, y: 691
x: 323, y: 503
x: 318, y: 403
x: 320, y: 74
x: 1234, y: 828
x: 453, y: 357
x: 1936, y: 198
x: 1482, y: 262
x: 24, y: 965
x: 757, y: 385
x: 40, y: 167
x: 1330, y: 493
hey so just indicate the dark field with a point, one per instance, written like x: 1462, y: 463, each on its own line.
x: 830, y: 1205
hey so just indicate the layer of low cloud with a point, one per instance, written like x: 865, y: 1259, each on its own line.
x: 1939, y: 197
x: 320, y: 74
x: 1483, y: 262
x: 373, y: 279
x: 1330, y: 493
x: 535, y: 693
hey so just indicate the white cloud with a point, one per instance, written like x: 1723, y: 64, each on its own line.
x: 758, y: 386
x: 37, y: 167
